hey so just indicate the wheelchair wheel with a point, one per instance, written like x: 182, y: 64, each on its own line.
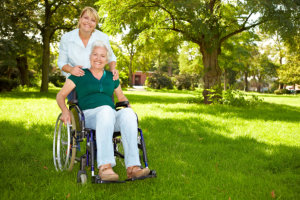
x: 64, y: 148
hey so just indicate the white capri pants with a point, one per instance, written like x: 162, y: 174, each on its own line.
x: 105, y: 121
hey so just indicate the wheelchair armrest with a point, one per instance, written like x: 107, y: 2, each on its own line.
x: 121, y: 104
x: 73, y: 98
x: 73, y: 101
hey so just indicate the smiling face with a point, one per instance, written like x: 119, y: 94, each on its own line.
x: 87, y: 22
x: 98, y: 58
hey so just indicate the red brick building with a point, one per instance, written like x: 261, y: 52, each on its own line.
x: 139, y: 77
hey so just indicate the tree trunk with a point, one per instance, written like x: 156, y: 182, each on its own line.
x: 246, y: 88
x: 225, y: 80
x: 45, y: 60
x: 170, y: 64
x: 281, y: 86
x: 212, y: 74
x: 23, y: 68
x: 46, y: 33
x: 258, y: 88
x: 130, y: 82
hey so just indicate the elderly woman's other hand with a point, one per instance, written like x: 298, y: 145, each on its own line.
x: 66, y: 117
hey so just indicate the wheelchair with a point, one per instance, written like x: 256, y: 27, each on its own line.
x: 67, y: 139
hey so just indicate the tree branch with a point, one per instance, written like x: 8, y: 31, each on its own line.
x: 243, y: 28
x: 245, y: 22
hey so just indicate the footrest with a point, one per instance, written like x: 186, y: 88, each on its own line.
x: 152, y: 174
x: 96, y: 179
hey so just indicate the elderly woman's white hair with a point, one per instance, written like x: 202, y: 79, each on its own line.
x: 99, y: 43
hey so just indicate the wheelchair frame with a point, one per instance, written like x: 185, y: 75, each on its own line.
x: 67, y: 140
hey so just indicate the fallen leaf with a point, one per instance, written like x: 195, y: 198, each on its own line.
x: 273, y: 194
x: 45, y: 167
x: 229, y: 198
x: 68, y: 195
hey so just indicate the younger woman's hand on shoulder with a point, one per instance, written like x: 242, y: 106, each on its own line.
x: 77, y: 71
x: 115, y: 74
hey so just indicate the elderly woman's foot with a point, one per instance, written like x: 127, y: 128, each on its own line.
x: 106, y: 173
x: 137, y: 172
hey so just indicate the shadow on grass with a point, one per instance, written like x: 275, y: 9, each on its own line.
x: 26, y: 155
x: 31, y: 95
x: 199, y: 160
x: 156, y: 98
x: 140, y: 98
x: 191, y: 158
x: 264, y: 111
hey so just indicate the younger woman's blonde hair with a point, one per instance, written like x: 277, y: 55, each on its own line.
x: 91, y: 12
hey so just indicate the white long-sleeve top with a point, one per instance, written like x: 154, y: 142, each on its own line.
x: 73, y: 52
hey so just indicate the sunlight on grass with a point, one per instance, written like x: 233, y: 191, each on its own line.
x: 199, y: 151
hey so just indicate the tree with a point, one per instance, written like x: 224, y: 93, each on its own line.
x: 289, y: 73
x: 146, y: 52
x: 50, y: 16
x: 237, y: 55
x: 263, y: 69
x: 44, y: 19
x: 207, y: 23
x: 190, y: 59
x: 14, y: 34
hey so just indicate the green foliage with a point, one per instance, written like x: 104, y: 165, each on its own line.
x: 214, y: 95
x: 159, y: 80
x: 207, y: 23
x: 282, y: 17
x: 123, y: 79
x: 238, y: 55
x: 190, y: 59
x: 290, y: 72
x: 234, y: 98
x: 57, y: 79
x: 198, y: 98
x: 186, y: 81
x: 7, y: 84
x: 282, y: 91
x: 240, y: 99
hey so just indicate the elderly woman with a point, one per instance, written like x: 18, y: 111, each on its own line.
x: 95, y: 89
x: 75, y: 46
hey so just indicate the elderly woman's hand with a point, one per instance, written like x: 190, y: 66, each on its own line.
x: 66, y: 117
x: 77, y: 71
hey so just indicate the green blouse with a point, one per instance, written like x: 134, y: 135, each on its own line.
x: 91, y: 92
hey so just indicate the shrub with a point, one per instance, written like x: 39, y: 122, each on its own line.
x: 158, y: 81
x: 183, y: 81
x: 282, y: 91
x: 186, y: 81
x: 198, y: 98
x: 7, y: 84
x: 57, y: 79
x: 123, y: 79
x: 235, y: 98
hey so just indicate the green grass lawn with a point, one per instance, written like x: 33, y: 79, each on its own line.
x: 199, y: 151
